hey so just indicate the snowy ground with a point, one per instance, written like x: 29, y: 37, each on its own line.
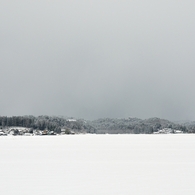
x: 98, y: 165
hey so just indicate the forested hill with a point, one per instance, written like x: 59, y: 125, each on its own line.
x: 104, y: 125
x: 51, y: 123
x: 135, y: 125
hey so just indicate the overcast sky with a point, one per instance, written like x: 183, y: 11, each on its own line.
x: 92, y: 59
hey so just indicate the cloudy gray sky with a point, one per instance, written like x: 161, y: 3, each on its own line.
x: 93, y: 59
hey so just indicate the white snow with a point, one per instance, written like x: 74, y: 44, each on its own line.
x: 98, y: 165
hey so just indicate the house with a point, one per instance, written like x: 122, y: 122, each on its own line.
x: 2, y: 133
x: 37, y: 132
x: 45, y: 132
x: 51, y: 133
x: 178, y: 131
x: 165, y: 131
x: 67, y: 131
x: 71, y: 120
x: 168, y: 131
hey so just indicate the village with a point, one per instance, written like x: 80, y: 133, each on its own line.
x: 23, y: 131
x: 168, y: 131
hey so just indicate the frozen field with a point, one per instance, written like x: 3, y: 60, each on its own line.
x: 98, y: 165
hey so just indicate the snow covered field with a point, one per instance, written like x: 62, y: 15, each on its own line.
x: 98, y: 165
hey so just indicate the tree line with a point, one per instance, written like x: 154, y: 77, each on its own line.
x: 104, y: 125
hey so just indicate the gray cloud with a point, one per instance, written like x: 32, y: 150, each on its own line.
x: 98, y: 59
